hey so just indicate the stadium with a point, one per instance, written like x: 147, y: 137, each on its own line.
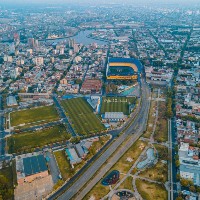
x: 123, y: 69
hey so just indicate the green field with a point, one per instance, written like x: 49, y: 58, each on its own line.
x: 64, y: 165
x: 117, y: 104
x: 150, y: 191
x: 46, y: 113
x: 29, y: 140
x: 81, y: 116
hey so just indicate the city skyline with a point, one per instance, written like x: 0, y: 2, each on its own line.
x: 99, y: 99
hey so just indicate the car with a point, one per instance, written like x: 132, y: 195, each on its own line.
x: 59, y: 176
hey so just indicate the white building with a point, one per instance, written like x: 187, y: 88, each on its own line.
x: 189, y: 163
x: 39, y: 61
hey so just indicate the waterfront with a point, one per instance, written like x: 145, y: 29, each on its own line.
x: 81, y: 37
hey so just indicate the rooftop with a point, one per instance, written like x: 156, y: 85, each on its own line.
x: 34, y: 165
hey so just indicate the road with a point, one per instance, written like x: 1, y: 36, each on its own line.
x: 63, y: 116
x: 38, y: 127
x: 54, y: 170
x: 170, y: 174
x: 2, y: 133
x: 136, y: 132
x: 137, y: 127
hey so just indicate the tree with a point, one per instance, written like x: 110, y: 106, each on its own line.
x: 78, y: 81
x: 192, y: 188
x: 75, y: 139
x: 198, y: 189
x: 5, y: 191
x: 184, y: 182
x: 179, y: 198
x: 176, y: 148
x: 190, y: 182
x: 177, y: 163
x: 176, y: 157
x: 178, y: 177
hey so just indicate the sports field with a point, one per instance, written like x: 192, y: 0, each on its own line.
x: 117, y: 104
x: 27, y: 141
x: 45, y: 113
x: 81, y: 116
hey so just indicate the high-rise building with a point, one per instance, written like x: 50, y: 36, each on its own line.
x: 12, y: 48
x: 16, y: 52
x: 29, y: 51
x: 9, y: 58
x: 62, y: 50
x: 76, y: 48
x: 71, y: 43
x: 31, y: 42
x: 39, y: 61
x: 16, y: 38
x: 36, y: 43
x: 52, y: 59
x: 70, y: 52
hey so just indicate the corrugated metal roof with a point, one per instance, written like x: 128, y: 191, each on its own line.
x: 34, y: 165
x: 114, y: 115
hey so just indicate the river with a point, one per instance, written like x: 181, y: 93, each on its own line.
x: 82, y: 37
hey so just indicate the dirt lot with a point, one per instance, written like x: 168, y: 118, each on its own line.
x: 36, y: 190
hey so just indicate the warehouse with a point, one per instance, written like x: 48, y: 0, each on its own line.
x: 30, y: 167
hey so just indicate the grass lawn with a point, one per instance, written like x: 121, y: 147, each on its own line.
x: 98, y: 191
x: 46, y: 113
x: 127, y: 184
x: 117, y: 104
x: 151, y: 120
x: 158, y: 172
x: 82, y: 117
x: 134, y: 152
x: 64, y: 165
x: 150, y: 191
x: 161, y: 132
x: 29, y: 140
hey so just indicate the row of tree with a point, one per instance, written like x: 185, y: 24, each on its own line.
x: 6, y: 192
x: 169, y: 102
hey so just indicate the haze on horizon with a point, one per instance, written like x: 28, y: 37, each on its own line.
x: 97, y: 1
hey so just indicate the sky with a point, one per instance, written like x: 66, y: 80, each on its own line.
x: 99, y: 1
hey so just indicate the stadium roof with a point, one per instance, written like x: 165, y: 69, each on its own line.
x: 114, y: 115
x: 127, y: 60
x: 34, y: 165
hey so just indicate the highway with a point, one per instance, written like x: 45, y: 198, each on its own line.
x: 2, y: 133
x: 135, y: 129
x: 136, y: 132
